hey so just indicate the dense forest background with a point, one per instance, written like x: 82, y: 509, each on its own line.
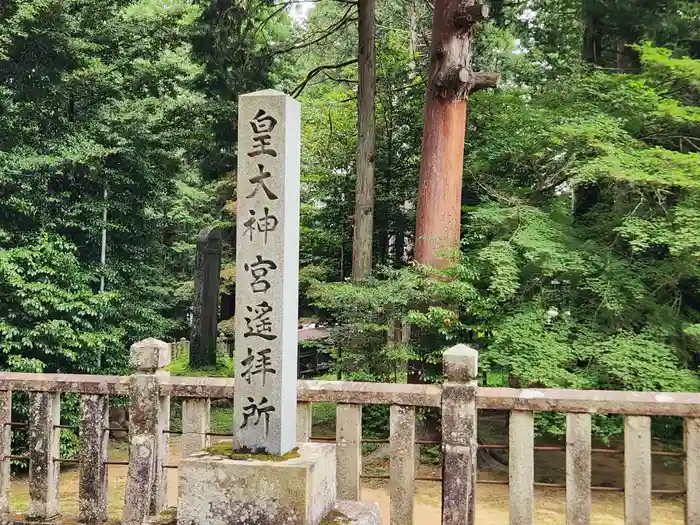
x: 580, y: 252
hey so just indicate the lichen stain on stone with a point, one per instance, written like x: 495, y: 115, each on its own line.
x: 17, y: 519
x: 531, y: 394
x: 335, y: 518
x: 664, y: 398
x: 166, y: 517
x: 225, y: 449
x: 256, y: 513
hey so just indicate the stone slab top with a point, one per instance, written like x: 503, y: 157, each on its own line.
x: 149, y: 355
x: 307, y: 455
x: 460, y: 363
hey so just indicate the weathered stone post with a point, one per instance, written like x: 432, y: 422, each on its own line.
x: 195, y: 425
x: 459, y: 445
x: 94, y: 439
x: 44, y: 434
x: 145, y: 430
x: 159, y: 495
x: 5, y: 450
x: 205, y: 309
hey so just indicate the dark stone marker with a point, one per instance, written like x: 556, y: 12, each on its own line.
x: 206, y: 298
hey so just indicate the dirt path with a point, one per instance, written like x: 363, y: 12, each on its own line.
x: 492, y: 500
x: 492, y: 506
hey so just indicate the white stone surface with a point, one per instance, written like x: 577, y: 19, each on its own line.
x: 357, y: 513
x: 216, y: 490
x: 267, y: 276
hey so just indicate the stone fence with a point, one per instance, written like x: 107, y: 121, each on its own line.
x: 150, y: 390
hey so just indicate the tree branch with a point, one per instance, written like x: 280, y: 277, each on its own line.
x: 324, y: 35
x: 485, y: 80
x: 384, y: 91
x: 401, y: 88
x: 339, y: 80
x: 466, y: 16
x: 297, y: 90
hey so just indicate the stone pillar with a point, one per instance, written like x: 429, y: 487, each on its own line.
x: 578, y: 469
x: 267, y: 272
x: 637, y: 469
x: 44, y: 417
x: 304, y: 422
x: 145, y: 429
x: 348, y: 434
x: 692, y: 470
x: 205, y: 308
x: 94, y: 438
x: 459, y: 445
x: 195, y: 424
x: 159, y: 495
x: 521, y: 467
x: 402, y: 442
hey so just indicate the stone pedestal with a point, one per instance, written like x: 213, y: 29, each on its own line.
x: 217, y: 490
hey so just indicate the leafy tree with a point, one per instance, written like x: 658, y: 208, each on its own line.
x: 579, y: 253
x: 52, y: 320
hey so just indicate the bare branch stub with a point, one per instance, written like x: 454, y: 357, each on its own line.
x: 453, y: 77
x: 467, y: 15
x: 485, y: 80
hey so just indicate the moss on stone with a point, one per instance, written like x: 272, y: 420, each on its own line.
x: 225, y: 448
x: 335, y: 518
x: 166, y: 517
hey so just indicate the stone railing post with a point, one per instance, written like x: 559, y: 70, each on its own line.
x: 459, y: 445
x: 94, y: 439
x: 44, y: 435
x: 144, y: 484
x: 5, y: 450
x: 159, y: 495
x: 195, y: 425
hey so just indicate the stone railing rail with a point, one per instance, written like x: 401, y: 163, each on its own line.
x: 151, y: 390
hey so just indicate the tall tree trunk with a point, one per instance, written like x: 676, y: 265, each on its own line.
x: 412, y: 37
x: 593, y: 40
x: 403, y: 244
x: 364, y: 189
x: 449, y: 82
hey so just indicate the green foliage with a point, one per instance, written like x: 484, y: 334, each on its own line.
x: 115, y: 96
x: 361, y: 317
x: 181, y: 367
x: 579, y: 264
x: 222, y: 416
x: 121, y: 96
x: 323, y: 416
x: 51, y: 319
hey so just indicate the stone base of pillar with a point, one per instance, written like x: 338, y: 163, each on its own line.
x: 217, y: 490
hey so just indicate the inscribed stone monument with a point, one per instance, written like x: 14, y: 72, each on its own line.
x: 267, y: 272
